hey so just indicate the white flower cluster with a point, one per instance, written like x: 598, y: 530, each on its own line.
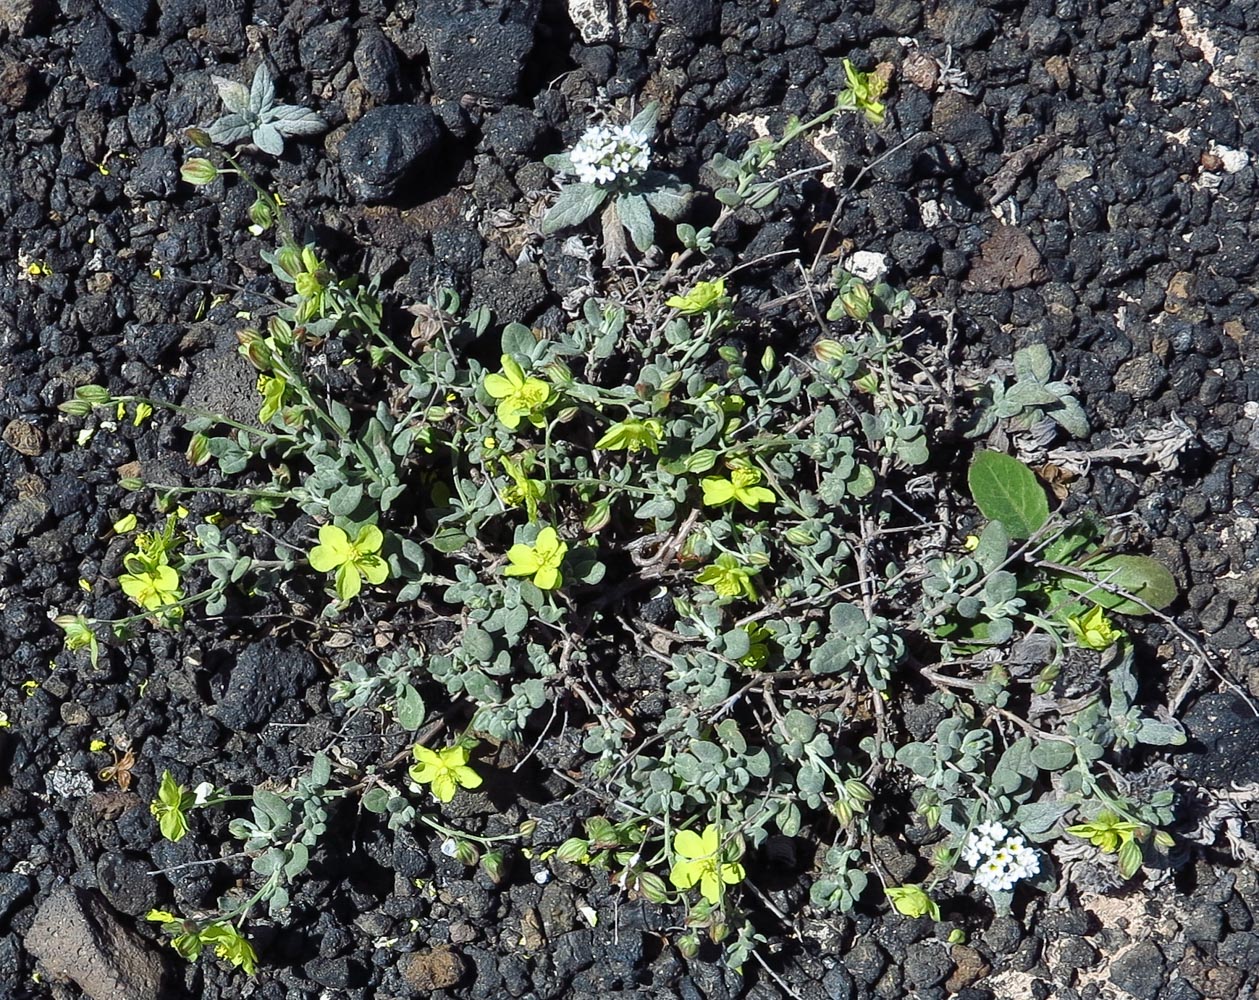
x: 608, y: 153
x: 999, y: 859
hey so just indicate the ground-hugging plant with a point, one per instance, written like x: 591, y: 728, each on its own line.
x: 535, y: 490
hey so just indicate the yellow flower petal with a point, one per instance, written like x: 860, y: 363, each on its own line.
x: 685, y: 874
x: 374, y: 568
x: 717, y: 491
x: 333, y: 549
x: 444, y: 786
x: 498, y: 387
x: 547, y: 578
x: 710, y: 886
x: 523, y: 559
x: 689, y: 844
x: 370, y: 539
x: 348, y: 581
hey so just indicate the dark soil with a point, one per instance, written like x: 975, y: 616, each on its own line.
x: 1085, y: 176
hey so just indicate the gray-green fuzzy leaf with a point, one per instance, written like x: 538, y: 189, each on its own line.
x: 636, y: 217
x: 576, y: 203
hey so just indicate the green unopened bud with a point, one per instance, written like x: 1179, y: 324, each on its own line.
x: 253, y: 347
x: 198, y: 171
x: 289, y: 260
x: 701, y: 461
x: 688, y: 945
x: 800, y: 537
x: 560, y: 374
x: 652, y: 887
x: 131, y: 484
x: 467, y: 852
x: 97, y: 395
x: 198, y: 452
x: 75, y: 407
x: 857, y: 301
x: 199, y: 137
x: 600, y: 516
x: 573, y: 850
x: 494, y: 866
x: 527, y: 828
x: 280, y: 331
x: 260, y: 215
x: 829, y: 350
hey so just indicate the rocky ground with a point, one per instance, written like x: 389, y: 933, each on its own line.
x: 1083, y: 176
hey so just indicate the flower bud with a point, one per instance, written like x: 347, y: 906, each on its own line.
x: 198, y: 171
x: 829, y: 350
x: 573, y: 850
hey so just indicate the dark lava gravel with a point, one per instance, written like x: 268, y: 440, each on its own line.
x: 1085, y: 178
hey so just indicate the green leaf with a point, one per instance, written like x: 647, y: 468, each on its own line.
x: 645, y: 121
x: 274, y: 807
x: 478, y: 644
x: 345, y: 500
x: 1156, y: 733
x: 320, y: 770
x: 737, y: 643
x: 636, y: 217
x: 994, y: 545
x: 299, y: 859
x: 575, y: 204
x: 518, y: 339
x: 1006, y: 490
x: 449, y: 539
x: 656, y: 507
x: 669, y: 202
x: 1138, y: 576
x: 1053, y: 755
x: 376, y: 800
x: 409, y: 708
x: 1033, y: 363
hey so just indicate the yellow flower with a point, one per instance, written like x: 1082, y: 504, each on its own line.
x: 633, y: 435
x: 152, y: 588
x: 518, y: 396
x: 741, y: 486
x: 541, y: 560
x: 1093, y: 630
x: 699, y: 861
x: 704, y: 296
x: 729, y: 577
x: 522, y: 489
x: 351, y: 560
x: 912, y: 901
x: 445, y: 771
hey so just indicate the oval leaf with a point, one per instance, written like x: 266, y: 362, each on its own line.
x: 1006, y: 490
x: 1136, y: 576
